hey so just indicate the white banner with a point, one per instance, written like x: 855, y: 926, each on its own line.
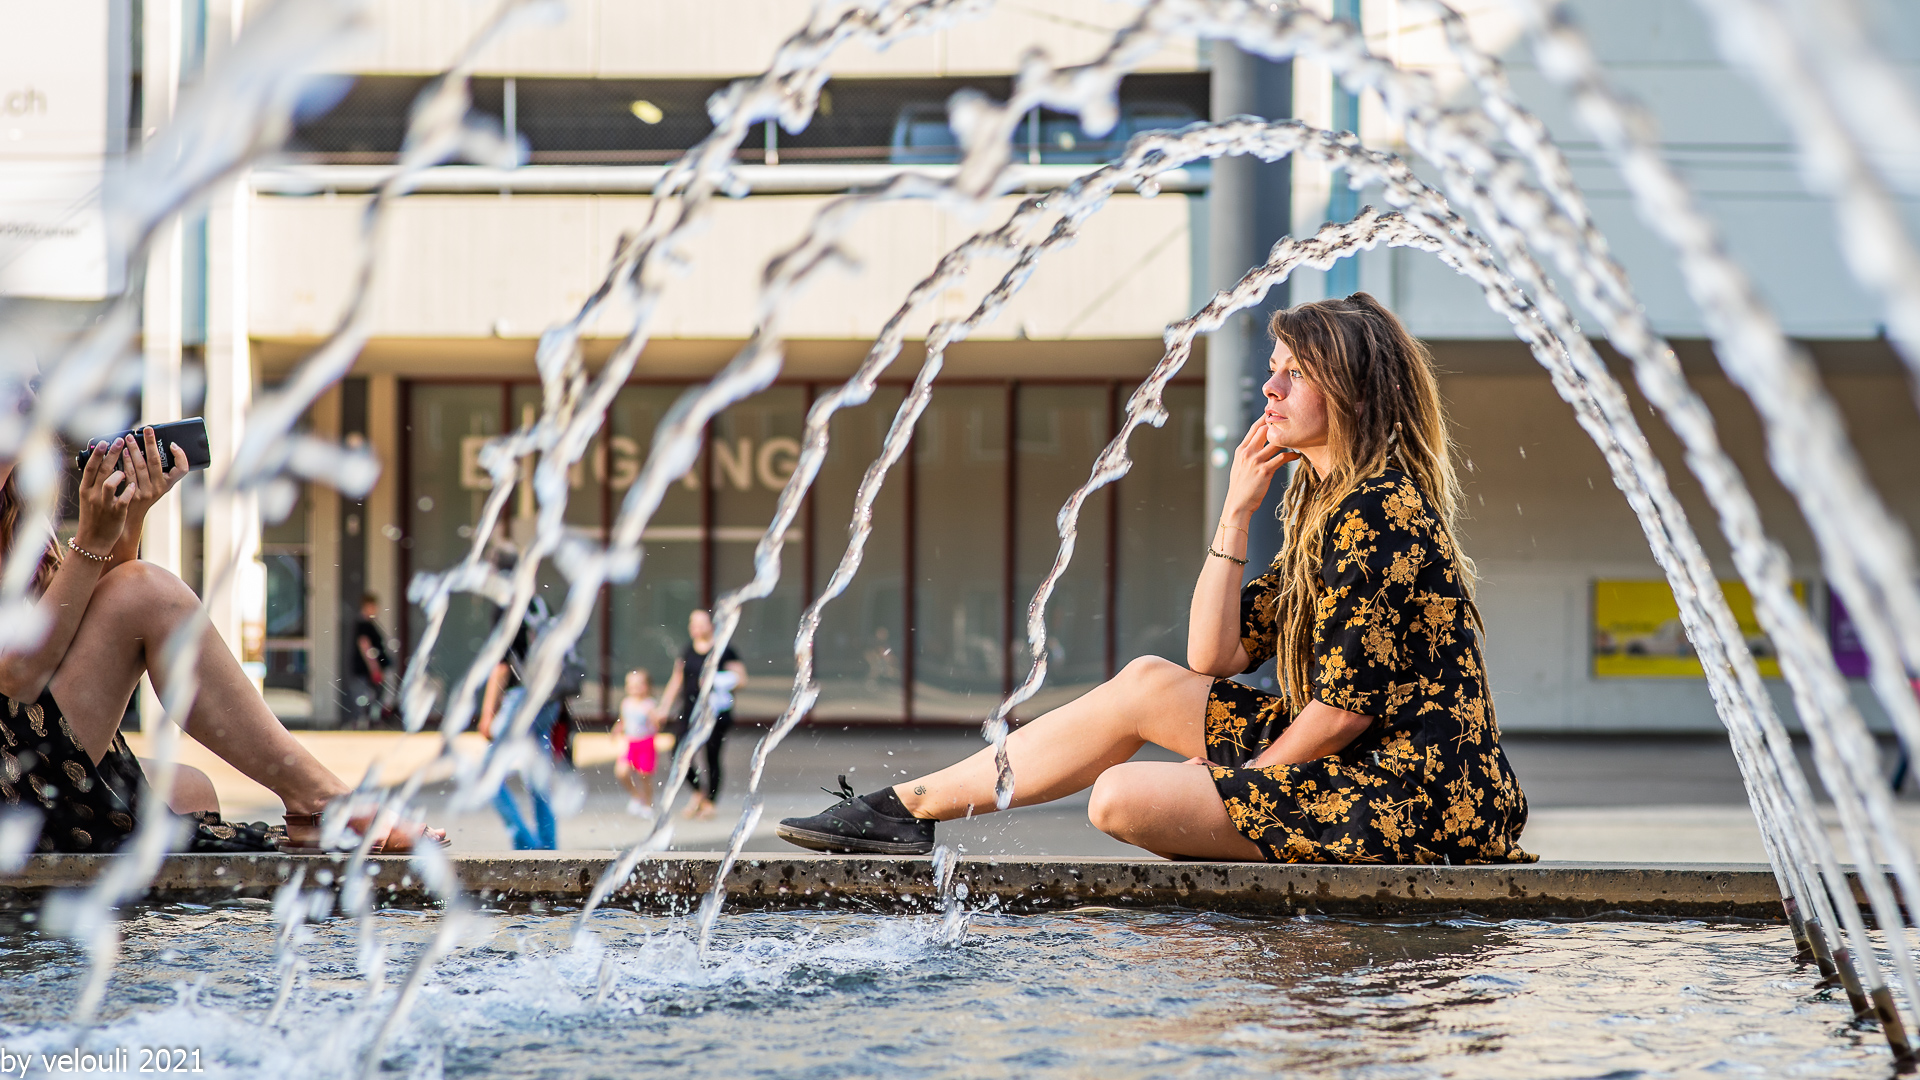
x: 63, y: 118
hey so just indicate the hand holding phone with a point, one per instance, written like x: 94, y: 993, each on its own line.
x: 190, y: 435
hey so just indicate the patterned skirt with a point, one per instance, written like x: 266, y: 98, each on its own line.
x: 86, y: 808
x: 1351, y: 807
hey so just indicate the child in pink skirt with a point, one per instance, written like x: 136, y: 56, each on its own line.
x: 639, y: 722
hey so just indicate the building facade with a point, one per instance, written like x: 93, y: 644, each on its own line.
x: 932, y: 629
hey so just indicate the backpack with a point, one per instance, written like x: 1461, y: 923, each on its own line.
x: 573, y: 670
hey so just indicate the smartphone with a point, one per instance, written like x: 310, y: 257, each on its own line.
x: 190, y: 434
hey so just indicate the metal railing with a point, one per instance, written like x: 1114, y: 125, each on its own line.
x: 295, y: 179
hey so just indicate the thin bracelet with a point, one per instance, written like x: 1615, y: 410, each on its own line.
x: 88, y: 554
x: 1224, y: 525
x: 1224, y: 555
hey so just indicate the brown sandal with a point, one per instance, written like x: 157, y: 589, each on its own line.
x: 400, y: 831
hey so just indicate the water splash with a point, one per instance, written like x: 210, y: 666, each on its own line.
x: 954, y: 916
x: 1522, y: 206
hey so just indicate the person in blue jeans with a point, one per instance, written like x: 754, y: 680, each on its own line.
x: 501, y: 697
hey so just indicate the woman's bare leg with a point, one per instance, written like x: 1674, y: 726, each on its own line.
x: 133, y: 610
x: 1150, y: 701
x: 1171, y: 809
x: 193, y: 790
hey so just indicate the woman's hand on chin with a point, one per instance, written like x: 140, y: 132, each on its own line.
x: 1255, y: 461
x: 103, y: 503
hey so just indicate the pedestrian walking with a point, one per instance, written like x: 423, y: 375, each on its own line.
x: 368, y: 669
x: 639, y: 724
x: 683, y: 689
x: 499, y: 703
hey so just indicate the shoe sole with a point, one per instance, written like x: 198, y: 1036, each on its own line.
x: 841, y: 845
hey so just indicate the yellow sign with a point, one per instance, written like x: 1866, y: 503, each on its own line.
x: 1637, y: 631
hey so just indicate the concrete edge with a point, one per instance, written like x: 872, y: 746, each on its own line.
x: 675, y: 881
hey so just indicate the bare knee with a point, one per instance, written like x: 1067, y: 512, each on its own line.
x: 1163, y: 700
x: 1150, y: 671
x: 145, y: 580
x: 141, y: 590
x: 1153, y: 678
x: 1113, y: 806
x: 193, y: 791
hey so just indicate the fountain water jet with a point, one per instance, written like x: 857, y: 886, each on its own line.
x: 1867, y: 552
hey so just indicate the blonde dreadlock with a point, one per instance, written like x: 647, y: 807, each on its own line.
x: 1383, y: 410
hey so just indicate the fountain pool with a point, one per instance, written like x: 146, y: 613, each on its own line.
x: 1091, y: 992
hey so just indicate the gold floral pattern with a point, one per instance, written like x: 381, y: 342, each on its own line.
x: 77, y: 775
x: 1427, y: 782
x: 89, y: 806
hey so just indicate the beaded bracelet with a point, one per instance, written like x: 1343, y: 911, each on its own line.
x: 88, y: 554
x: 1224, y: 555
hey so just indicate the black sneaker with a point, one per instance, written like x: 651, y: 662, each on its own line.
x: 852, y: 826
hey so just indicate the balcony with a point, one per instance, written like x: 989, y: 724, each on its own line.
x: 728, y: 38
x: 521, y: 253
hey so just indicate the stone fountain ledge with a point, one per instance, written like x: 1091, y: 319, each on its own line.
x: 676, y: 880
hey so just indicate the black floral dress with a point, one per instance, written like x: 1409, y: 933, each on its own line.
x: 1427, y: 782
x: 87, y: 808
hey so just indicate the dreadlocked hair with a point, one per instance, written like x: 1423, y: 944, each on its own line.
x: 10, y: 528
x: 1383, y: 411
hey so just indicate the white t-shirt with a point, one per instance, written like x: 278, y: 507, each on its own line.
x: 723, y: 684
x: 636, y: 717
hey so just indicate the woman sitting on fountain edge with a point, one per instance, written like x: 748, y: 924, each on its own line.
x: 108, y: 617
x: 1383, y: 747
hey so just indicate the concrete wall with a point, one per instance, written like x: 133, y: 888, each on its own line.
x: 1718, y: 128
x: 1544, y: 521
x: 664, y: 39
x: 483, y: 266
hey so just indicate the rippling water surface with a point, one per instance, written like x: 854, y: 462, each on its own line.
x: 1091, y: 993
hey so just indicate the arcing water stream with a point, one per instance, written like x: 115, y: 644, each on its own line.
x: 1504, y: 211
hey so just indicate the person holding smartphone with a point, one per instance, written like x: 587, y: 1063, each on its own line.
x: 105, y: 620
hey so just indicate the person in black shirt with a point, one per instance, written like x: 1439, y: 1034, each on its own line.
x: 498, y: 701
x: 368, y: 669
x: 683, y: 688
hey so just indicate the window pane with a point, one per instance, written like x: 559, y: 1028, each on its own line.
x: 1062, y: 430
x: 286, y: 594
x: 285, y: 551
x: 286, y: 651
x: 1162, y: 532
x: 447, y: 425
x: 857, y: 658
x: 960, y: 455
x: 650, y: 615
x: 755, y: 447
